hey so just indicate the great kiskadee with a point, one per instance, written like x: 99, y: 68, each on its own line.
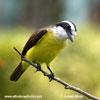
x: 44, y: 45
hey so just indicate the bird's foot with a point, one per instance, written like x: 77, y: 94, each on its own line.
x: 51, y: 77
x: 38, y: 67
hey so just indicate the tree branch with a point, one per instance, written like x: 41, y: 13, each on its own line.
x: 67, y: 86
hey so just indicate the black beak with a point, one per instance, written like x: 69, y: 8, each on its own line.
x: 71, y: 37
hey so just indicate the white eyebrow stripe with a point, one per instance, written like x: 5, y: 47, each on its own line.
x: 72, y: 26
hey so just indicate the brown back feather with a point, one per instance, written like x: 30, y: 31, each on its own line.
x: 33, y: 40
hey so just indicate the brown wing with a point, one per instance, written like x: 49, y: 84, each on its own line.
x: 33, y: 40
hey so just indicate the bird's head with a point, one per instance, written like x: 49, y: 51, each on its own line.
x: 69, y: 27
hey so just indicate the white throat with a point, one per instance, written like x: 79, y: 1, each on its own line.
x: 59, y: 32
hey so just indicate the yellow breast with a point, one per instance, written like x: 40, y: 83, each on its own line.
x: 46, y: 49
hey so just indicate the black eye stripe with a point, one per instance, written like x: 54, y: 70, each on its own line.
x: 66, y: 25
x: 63, y: 24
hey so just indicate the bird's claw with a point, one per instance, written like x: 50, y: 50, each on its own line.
x: 38, y: 67
x: 51, y: 77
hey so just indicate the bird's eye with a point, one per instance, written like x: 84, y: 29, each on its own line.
x: 68, y: 26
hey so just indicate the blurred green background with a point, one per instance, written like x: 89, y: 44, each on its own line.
x: 78, y: 64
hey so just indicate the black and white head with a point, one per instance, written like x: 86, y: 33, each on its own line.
x: 65, y: 29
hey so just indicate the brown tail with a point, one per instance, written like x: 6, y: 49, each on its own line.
x: 17, y: 72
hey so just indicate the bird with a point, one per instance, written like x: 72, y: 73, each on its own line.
x: 44, y: 45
